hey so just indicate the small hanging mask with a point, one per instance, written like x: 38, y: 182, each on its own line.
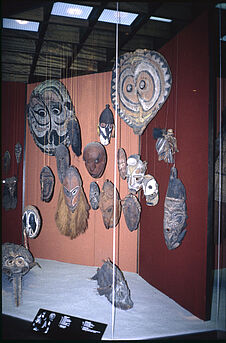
x: 9, y: 195
x: 106, y: 126
x: 135, y: 173
x: 94, y: 195
x: 49, y: 109
x: 18, y: 151
x: 131, y: 210
x: 31, y: 221
x: 144, y: 83
x: 95, y: 158
x: 72, y: 187
x: 106, y: 204
x: 74, y: 133
x: 150, y: 188
x: 62, y: 160
x: 174, y: 212
x: 47, y: 182
x: 121, y: 161
x: 166, y: 145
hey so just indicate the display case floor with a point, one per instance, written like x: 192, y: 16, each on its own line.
x: 68, y: 289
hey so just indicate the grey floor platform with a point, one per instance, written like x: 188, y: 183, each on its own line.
x: 67, y: 288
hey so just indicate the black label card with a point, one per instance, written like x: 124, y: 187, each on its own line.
x: 62, y: 326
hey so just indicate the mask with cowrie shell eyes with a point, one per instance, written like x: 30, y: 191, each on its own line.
x: 135, y: 173
x: 150, y: 188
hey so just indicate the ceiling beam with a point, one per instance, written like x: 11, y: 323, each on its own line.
x: 94, y: 16
x: 43, y: 27
x: 140, y: 20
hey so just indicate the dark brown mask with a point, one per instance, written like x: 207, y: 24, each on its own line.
x: 62, y: 160
x: 121, y: 160
x: 106, y: 204
x: 95, y: 158
x: 47, y: 183
x: 131, y: 210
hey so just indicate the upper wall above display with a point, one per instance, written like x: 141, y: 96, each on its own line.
x: 70, y: 46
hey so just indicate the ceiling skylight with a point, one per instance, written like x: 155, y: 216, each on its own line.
x: 17, y: 24
x: 166, y: 20
x: 124, y: 18
x: 71, y: 10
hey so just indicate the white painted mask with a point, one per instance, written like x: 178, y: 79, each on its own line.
x: 135, y: 173
x: 150, y: 188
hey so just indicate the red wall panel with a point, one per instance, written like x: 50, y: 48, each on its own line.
x: 12, y: 131
x: 90, y: 94
x: 181, y: 273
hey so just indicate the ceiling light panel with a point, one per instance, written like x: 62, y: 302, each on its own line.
x: 17, y: 24
x: 165, y: 20
x: 111, y: 16
x: 71, y: 10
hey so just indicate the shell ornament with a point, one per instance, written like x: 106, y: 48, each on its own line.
x: 144, y: 84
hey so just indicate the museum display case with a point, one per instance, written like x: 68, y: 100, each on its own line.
x: 119, y: 185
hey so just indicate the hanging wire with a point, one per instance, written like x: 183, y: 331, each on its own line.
x: 220, y: 167
x: 115, y: 180
x: 176, y: 110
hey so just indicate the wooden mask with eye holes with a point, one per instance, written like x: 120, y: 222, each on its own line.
x: 95, y: 158
x: 106, y: 204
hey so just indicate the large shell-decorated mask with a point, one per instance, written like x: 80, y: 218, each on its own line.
x: 49, y: 111
x: 144, y: 83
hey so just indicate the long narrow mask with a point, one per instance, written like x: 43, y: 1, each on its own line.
x: 174, y: 212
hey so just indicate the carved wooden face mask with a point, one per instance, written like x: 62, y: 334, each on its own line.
x: 174, y: 212
x: 106, y: 204
x: 72, y: 187
x: 95, y: 158
x: 94, y: 195
x: 121, y: 161
x: 9, y: 196
x: 47, y: 183
x: 144, y: 84
x: 62, y: 160
x: 18, y: 152
x: 49, y: 109
x: 131, y: 210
